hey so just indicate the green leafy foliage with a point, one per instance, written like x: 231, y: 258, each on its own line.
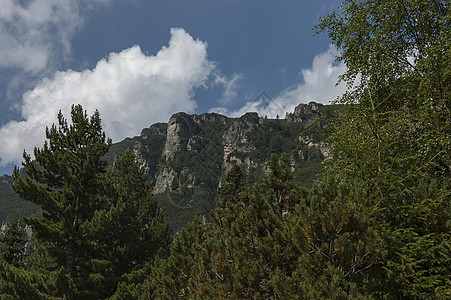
x: 392, y: 135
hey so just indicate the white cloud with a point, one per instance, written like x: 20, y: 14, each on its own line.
x: 319, y: 85
x: 231, y: 87
x: 32, y: 32
x: 130, y: 89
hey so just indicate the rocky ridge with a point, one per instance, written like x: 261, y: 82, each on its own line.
x: 194, y: 152
x: 187, y: 158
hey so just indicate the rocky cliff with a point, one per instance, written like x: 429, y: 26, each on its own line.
x: 187, y: 157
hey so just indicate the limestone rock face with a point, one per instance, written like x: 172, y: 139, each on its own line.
x: 164, y: 180
x: 180, y: 126
x: 139, y: 157
x: 306, y: 113
x: 235, y: 140
x: 188, y: 157
x: 310, y: 142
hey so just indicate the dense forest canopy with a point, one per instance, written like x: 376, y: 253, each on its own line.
x: 374, y: 225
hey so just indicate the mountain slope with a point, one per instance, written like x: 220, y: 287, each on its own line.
x: 187, y: 158
x: 10, y: 201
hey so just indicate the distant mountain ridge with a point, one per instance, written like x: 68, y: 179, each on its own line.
x: 188, y: 157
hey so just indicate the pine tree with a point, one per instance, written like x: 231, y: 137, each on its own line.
x: 128, y: 233
x: 19, y: 283
x: 334, y: 226
x: 248, y: 251
x: 66, y: 179
x: 13, y: 242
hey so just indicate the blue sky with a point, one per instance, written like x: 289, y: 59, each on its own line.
x: 140, y: 61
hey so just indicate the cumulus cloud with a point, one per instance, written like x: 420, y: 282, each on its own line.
x: 131, y: 90
x: 318, y: 84
x: 32, y: 32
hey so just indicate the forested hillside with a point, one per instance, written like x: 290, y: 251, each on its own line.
x: 11, y: 202
x: 188, y: 157
x: 374, y: 225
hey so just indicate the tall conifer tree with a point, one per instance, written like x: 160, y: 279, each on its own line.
x: 127, y: 234
x: 65, y: 179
